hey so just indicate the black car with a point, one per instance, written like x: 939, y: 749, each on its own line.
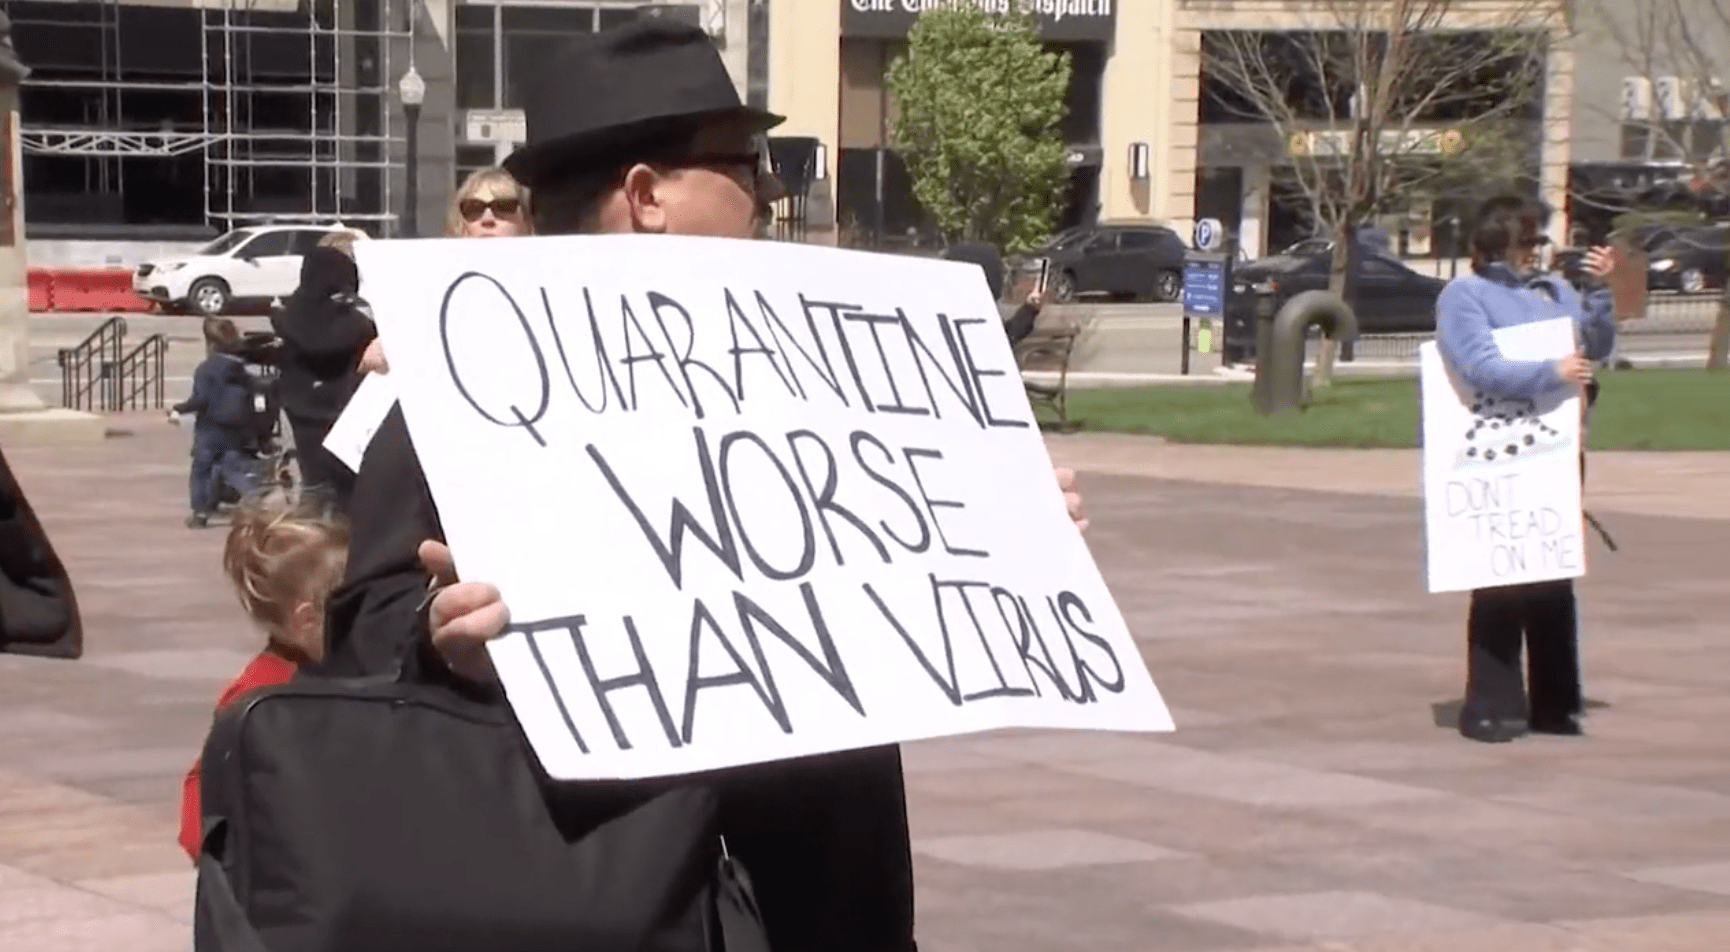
x: 1139, y: 261
x: 1391, y: 298
x: 1691, y: 262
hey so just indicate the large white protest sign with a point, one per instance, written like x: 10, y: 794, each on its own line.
x: 1502, y: 477
x: 747, y: 500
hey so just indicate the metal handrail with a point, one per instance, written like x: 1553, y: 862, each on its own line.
x: 87, y: 371
x: 141, y: 384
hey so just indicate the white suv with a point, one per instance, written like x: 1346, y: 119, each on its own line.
x: 247, y: 264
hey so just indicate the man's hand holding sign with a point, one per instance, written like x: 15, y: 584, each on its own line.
x: 780, y: 501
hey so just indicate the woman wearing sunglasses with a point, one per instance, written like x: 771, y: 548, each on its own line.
x: 1502, y: 291
x: 489, y: 204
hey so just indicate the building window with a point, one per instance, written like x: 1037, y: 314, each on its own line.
x: 500, y: 48
x: 531, y: 36
x: 475, y: 32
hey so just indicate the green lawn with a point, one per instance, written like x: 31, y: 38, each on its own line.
x: 1638, y: 410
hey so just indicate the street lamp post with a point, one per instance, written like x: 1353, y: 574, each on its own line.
x: 412, y: 90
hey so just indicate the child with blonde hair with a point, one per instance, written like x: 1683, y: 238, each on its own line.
x: 284, y: 558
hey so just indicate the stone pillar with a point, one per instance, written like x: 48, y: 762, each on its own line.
x: 22, y: 412
x: 1252, y: 226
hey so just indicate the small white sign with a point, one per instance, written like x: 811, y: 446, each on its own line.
x: 352, y: 432
x: 747, y: 501
x: 495, y: 125
x: 1502, y: 477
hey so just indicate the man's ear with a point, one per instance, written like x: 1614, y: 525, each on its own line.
x: 641, y: 189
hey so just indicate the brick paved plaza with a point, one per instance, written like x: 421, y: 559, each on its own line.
x: 1308, y: 801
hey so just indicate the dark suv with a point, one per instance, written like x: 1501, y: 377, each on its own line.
x: 1138, y: 261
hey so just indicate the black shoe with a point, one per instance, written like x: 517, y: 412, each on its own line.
x: 1492, y: 730
x: 198, y: 520
x: 1565, y: 726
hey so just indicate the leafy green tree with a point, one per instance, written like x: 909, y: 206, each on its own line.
x: 980, y: 100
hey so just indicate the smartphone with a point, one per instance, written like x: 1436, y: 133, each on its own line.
x: 1044, y: 278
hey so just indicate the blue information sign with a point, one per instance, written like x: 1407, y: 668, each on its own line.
x: 1204, y: 287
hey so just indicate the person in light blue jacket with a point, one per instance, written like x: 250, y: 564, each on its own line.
x: 1500, y: 292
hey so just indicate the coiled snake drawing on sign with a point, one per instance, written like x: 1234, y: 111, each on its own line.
x: 1506, y: 430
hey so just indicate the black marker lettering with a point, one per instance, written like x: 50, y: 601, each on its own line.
x: 936, y: 504
x: 513, y: 415
x: 660, y: 303
x: 860, y: 437
x: 531, y: 635
x: 735, y: 320
x: 1031, y: 633
x: 784, y: 338
x: 830, y: 669
x: 701, y: 619
x: 962, y: 589
x: 876, y: 322
x: 644, y: 677
x: 627, y: 323
x: 960, y: 385
x: 671, y: 552
x: 808, y: 540
x: 846, y: 346
x: 1070, y: 605
x: 824, y: 498
x: 947, y: 685
x: 603, y: 367
x: 978, y: 374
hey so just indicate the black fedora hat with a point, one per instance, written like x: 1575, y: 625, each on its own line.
x: 627, y: 86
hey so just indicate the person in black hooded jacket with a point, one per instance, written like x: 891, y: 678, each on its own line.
x: 324, y: 329
x: 1020, y: 323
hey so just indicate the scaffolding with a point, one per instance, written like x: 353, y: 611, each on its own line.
x: 299, y: 119
x: 346, y: 148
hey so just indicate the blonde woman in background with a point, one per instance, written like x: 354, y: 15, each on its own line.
x: 489, y: 204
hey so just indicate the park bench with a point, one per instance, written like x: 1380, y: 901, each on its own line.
x: 1046, y: 351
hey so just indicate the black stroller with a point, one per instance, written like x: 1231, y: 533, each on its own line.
x: 274, y: 457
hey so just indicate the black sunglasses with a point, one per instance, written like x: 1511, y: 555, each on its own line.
x: 473, y: 208
x: 747, y: 165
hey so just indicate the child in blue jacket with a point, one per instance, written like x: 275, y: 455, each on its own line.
x: 222, y: 434
x: 1498, y: 293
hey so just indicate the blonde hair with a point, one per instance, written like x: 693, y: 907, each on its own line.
x: 500, y: 183
x: 280, y: 554
x: 342, y: 241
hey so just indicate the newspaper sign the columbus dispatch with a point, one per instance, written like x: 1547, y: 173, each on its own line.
x: 747, y: 501
x: 1502, y: 476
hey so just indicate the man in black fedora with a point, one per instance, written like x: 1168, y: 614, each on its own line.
x: 639, y: 129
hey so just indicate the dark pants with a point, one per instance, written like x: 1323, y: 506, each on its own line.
x: 320, y: 471
x: 1541, y: 618
x: 217, y: 460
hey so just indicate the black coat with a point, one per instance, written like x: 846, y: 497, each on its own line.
x: 38, y: 612
x: 324, y: 330
x: 824, y: 838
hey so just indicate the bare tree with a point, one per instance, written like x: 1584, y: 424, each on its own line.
x: 1676, y: 57
x: 1382, y: 102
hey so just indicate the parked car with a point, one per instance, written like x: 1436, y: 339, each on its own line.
x: 1391, y: 298
x: 1690, y: 262
x: 1136, y: 260
x: 247, y: 265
